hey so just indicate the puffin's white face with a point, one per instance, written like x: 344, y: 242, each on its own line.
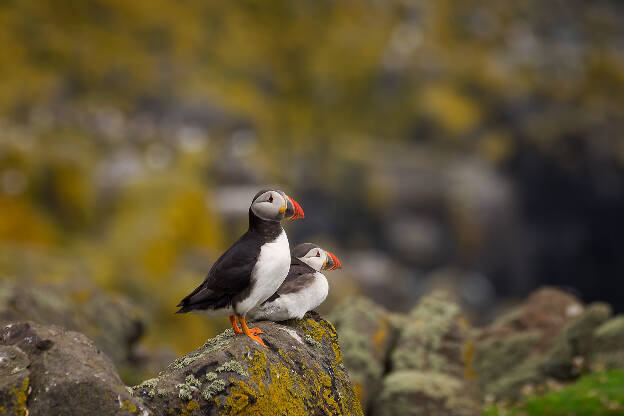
x: 270, y: 206
x: 315, y: 258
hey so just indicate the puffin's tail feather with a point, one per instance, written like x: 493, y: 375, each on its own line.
x: 202, y: 298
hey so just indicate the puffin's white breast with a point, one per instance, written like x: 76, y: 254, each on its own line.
x: 295, y: 304
x: 268, y: 274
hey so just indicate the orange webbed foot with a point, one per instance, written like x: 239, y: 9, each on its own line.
x: 257, y: 339
x: 252, y: 333
x: 256, y: 331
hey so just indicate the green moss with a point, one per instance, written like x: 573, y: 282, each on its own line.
x: 161, y: 393
x: 598, y: 394
x: 233, y: 366
x: 210, y: 376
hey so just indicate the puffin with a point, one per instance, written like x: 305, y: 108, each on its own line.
x: 252, y: 269
x: 304, y: 288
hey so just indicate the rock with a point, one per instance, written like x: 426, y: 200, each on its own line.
x: 112, y: 322
x: 570, y: 354
x: 431, y: 363
x: 547, y: 337
x: 301, y: 373
x: 608, y: 346
x: 14, y: 380
x: 408, y: 393
x: 546, y: 311
x: 56, y: 371
x: 434, y: 338
x: 367, y: 332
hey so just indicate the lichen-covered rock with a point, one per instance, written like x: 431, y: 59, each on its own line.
x: 570, y: 354
x: 434, y: 338
x: 301, y: 373
x: 14, y: 381
x: 418, y: 393
x: 549, y: 336
x: 367, y: 332
x: 431, y: 363
x: 608, y: 345
x: 112, y: 322
x: 54, y: 371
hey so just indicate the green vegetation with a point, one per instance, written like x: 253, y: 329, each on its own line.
x: 592, y: 395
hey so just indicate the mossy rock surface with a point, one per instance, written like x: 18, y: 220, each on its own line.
x: 431, y: 363
x: 415, y: 393
x: 53, y: 371
x: 599, y: 394
x: 14, y: 380
x: 301, y: 373
x: 549, y: 336
x: 367, y: 334
x: 434, y: 338
x: 608, y: 346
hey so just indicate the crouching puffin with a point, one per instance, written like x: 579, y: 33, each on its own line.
x: 252, y: 269
x: 305, y: 287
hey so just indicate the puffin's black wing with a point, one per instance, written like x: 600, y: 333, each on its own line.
x: 299, y: 277
x: 230, y: 275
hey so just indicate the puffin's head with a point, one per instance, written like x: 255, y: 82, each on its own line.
x: 274, y: 205
x: 316, y: 257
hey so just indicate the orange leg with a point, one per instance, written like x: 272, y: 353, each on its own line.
x: 252, y: 333
x: 255, y: 331
x: 235, y: 325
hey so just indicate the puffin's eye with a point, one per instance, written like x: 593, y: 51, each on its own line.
x: 318, y: 254
x: 270, y: 199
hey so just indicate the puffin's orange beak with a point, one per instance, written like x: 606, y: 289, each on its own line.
x: 336, y: 263
x: 295, y: 208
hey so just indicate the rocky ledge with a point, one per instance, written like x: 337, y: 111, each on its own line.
x: 51, y: 370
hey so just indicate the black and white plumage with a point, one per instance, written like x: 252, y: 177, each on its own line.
x: 304, y: 289
x: 253, y: 268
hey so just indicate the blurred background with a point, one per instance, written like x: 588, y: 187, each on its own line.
x: 476, y: 146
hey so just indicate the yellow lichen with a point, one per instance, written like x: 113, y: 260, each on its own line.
x: 468, y: 359
x: 189, y: 409
x: 127, y: 405
x: 380, y: 336
x: 273, y: 388
x: 21, y: 395
x: 337, y: 352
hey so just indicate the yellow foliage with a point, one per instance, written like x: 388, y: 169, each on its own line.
x: 452, y: 110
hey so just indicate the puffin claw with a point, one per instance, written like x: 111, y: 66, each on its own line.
x: 257, y: 339
x: 255, y: 331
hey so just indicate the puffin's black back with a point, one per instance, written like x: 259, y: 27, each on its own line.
x: 230, y: 275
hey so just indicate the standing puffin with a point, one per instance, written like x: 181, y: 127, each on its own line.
x: 305, y: 287
x: 252, y: 269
